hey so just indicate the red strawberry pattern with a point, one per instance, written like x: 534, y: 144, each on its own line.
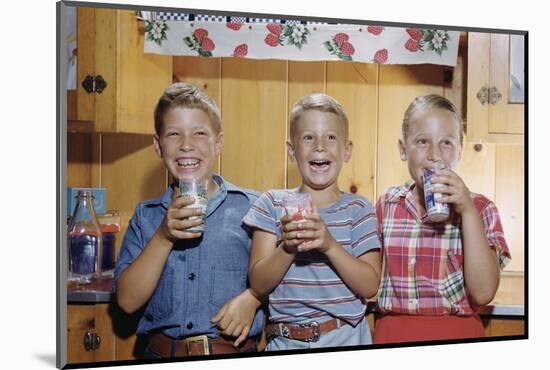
x: 375, y: 30
x: 412, y: 45
x: 234, y: 26
x: 340, y: 38
x: 200, y: 33
x: 207, y: 44
x: 272, y: 40
x: 274, y: 28
x: 347, y: 48
x: 415, y: 33
x: 381, y: 56
x: 240, y: 51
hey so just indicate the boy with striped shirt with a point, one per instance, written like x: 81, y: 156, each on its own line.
x: 317, y: 271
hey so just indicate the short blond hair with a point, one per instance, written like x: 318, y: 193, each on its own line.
x: 186, y: 95
x: 320, y: 102
x: 421, y: 104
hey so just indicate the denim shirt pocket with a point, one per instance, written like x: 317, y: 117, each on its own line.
x: 227, y: 283
x: 161, y: 304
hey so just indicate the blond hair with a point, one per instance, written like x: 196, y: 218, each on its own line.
x: 320, y: 102
x: 421, y: 104
x: 186, y: 95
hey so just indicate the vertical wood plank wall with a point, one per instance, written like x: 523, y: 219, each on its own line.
x: 256, y: 97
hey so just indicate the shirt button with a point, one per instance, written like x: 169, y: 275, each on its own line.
x: 182, y: 257
x: 189, y: 325
x: 413, y: 302
x: 191, y: 276
x: 412, y: 261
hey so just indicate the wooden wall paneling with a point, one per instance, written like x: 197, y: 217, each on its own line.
x: 204, y: 73
x: 103, y: 325
x: 478, y: 76
x: 83, y: 160
x: 511, y: 289
x: 254, y: 97
x: 399, y: 85
x: 354, y: 85
x: 509, y: 198
x: 303, y: 78
x: 477, y: 168
x: 131, y: 172
x: 455, y: 88
x: 84, y: 102
x: 141, y: 78
x: 80, y: 319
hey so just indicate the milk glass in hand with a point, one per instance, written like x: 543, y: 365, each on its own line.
x: 198, y: 190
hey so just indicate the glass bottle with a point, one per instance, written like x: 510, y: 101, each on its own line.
x: 84, y: 242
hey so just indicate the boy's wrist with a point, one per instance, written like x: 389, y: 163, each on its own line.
x: 162, y: 240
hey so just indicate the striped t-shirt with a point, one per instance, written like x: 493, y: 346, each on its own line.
x: 311, y: 289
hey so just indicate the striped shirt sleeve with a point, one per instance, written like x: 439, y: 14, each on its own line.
x: 364, y: 228
x: 263, y: 215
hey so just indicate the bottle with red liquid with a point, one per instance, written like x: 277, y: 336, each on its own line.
x: 84, y: 242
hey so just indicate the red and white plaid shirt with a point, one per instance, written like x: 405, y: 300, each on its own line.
x: 424, y: 261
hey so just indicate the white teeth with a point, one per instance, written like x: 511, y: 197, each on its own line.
x: 187, y: 163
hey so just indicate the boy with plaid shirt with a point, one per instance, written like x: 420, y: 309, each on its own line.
x: 435, y: 273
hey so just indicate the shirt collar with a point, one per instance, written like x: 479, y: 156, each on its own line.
x: 402, y: 192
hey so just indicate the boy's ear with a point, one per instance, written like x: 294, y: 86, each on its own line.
x: 348, y: 150
x: 402, y: 150
x: 158, y: 148
x: 219, y: 143
x: 290, y: 151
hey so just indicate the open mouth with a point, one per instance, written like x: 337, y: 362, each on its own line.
x: 319, y: 165
x: 188, y: 163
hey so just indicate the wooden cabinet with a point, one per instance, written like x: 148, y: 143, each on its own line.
x: 90, y: 337
x: 492, y: 116
x: 110, y: 49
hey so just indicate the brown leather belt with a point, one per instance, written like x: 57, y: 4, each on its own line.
x: 196, y: 346
x: 308, y: 332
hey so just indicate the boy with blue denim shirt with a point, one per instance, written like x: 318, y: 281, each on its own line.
x: 193, y: 285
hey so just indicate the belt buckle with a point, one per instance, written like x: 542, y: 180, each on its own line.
x: 198, y: 338
x: 316, y: 334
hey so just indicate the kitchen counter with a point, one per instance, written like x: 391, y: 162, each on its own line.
x: 102, y: 292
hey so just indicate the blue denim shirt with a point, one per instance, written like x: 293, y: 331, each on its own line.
x: 201, y: 274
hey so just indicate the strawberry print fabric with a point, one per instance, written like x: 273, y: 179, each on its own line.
x: 242, y: 38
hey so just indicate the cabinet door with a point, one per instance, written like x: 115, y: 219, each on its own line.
x: 81, y: 104
x: 493, y: 115
x: 110, y: 45
x: 91, y: 320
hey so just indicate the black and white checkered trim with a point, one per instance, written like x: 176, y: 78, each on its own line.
x: 210, y: 18
x: 165, y: 16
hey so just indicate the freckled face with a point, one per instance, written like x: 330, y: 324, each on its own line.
x: 433, y: 141
x: 188, y: 143
x: 320, y: 148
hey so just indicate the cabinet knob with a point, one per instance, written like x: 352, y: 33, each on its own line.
x: 494, y: 95
x: 92, y: 341
x: 88, y: 84
x: 483, y: 95
x: 94, y: 84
